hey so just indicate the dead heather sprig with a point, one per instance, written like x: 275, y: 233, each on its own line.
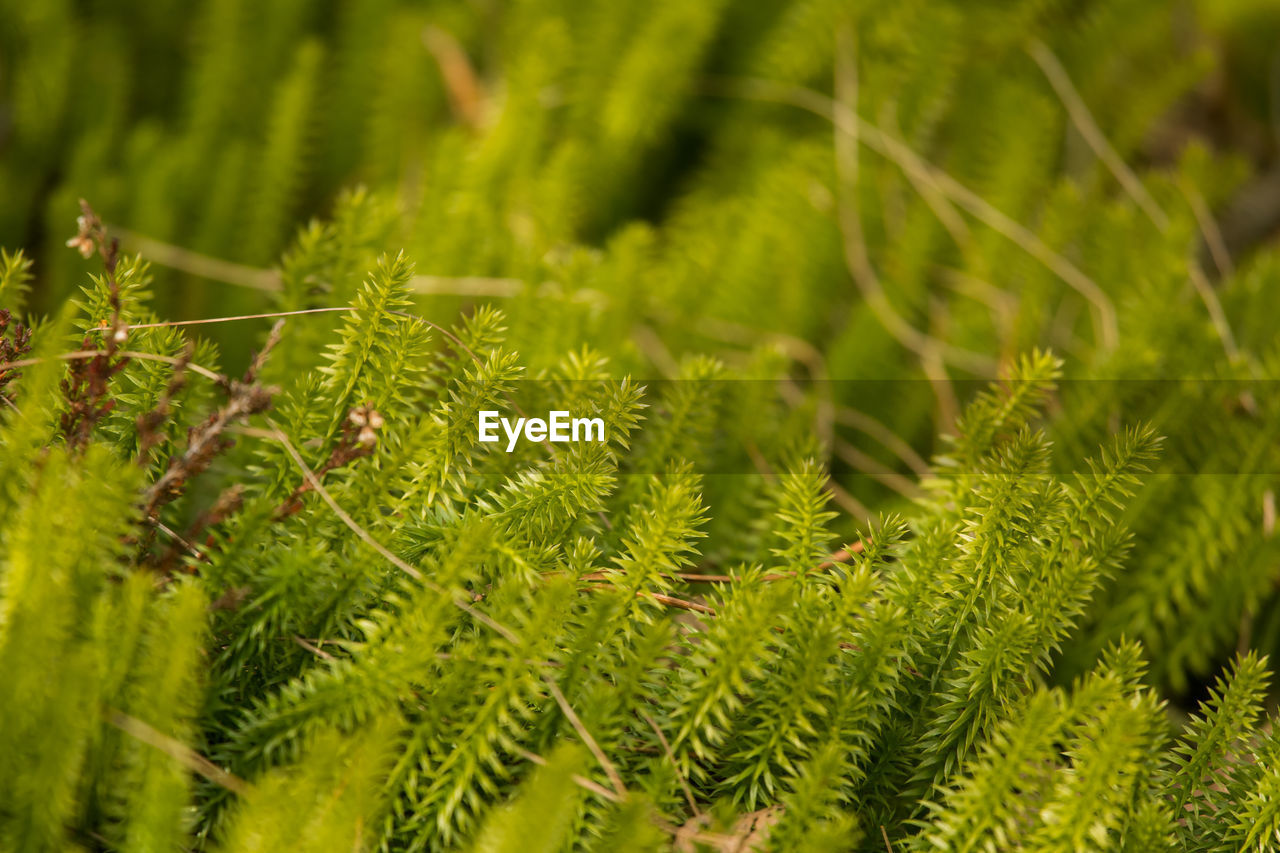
x: 85, y: 386
x: 227, y: 504
x: 92, y: 236
x: 85, y: 390
x: 15, y: 342
x: 245, y: 397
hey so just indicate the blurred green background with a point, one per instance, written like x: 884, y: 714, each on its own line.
x: 509, y: 134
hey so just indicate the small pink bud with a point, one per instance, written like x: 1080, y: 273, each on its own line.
x: 83, y: 244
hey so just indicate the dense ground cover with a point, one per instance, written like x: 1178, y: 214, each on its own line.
x: 934, y: 350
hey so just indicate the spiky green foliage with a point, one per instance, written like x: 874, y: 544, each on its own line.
x: 786, y: 253
x: 388, y: 666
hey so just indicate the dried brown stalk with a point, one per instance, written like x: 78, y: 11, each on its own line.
x: 205, y: 441
x: 85, y: 387
x: 15, y: 342
x: 177, y: 750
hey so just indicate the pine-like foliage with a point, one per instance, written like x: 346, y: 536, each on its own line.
x: 935, y: 509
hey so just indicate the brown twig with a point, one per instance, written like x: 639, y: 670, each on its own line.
x: 1082, y: 118
x: 206, y: 441
x: 848, y: 502
x: 314, y: 649
x: 228, y: 502
x: 877, y: 470
x: 895, y: 150
x: 461, y: 84
x: 179, y: 540
x: 177, y: 750
x: 84, y: 388
x: 857, y: 259
x: 574, y: 720
x: 581, y: 781
x: 85, y: 385
x: 89, y: 353
x: 843, y: 555
x: 671, y: 756
x: 268, y: 281
x: 681, y: 603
